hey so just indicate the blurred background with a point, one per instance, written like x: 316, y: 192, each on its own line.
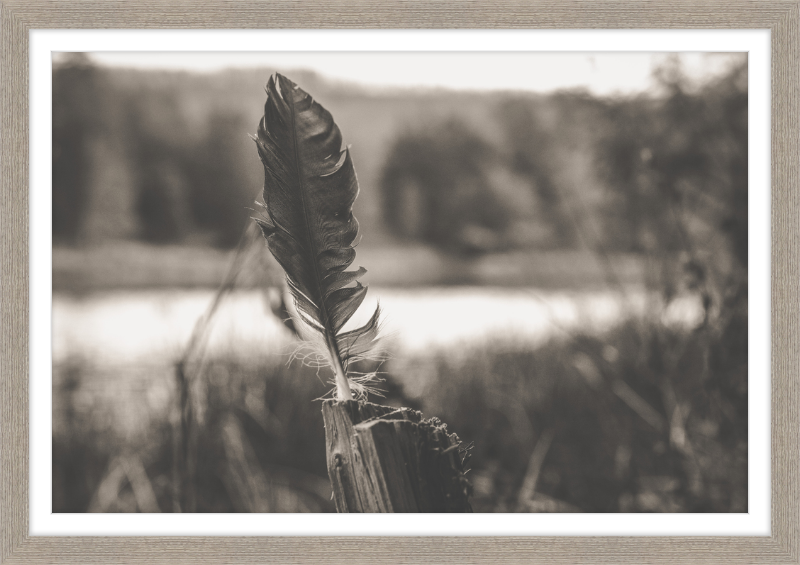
x: 561, y: 259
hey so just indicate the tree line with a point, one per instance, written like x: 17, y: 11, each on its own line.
x: 165, y: 158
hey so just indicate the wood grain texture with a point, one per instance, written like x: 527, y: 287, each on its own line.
x: 785, y: 281
x: 401, y: 14
x: 17, y: 17
x: 339, y: 449
x: 384, y: 459
x: 14, y: 284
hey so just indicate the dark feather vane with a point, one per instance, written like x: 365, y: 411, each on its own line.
x: 309, y: 188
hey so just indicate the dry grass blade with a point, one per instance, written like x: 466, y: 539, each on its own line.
x: 535, y: 464
x: 125, y: 467
x: 638, y: 404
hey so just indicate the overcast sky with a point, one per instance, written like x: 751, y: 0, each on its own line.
x: 600, y: 73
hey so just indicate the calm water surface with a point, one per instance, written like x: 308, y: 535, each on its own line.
x: 129, y: 327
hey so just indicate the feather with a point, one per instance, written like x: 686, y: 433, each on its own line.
x: 309, y: 188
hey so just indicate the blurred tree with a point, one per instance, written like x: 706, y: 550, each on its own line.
x: 550, y: 143
x: 157, y: 136
x: 162, y: 203
x: 221, y: 191
x: 676, y: 172
x: 534, y: 153
x: 191, y: 180
x: 437, y: 189
x: 77, y: 114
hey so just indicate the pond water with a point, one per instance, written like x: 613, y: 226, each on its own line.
x: 131, y: 327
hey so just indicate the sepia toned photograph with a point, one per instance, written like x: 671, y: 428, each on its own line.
x: 399, y: 282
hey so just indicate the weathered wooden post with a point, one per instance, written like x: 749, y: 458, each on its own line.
x: 382, y: 459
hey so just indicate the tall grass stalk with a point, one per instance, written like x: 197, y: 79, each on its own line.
x: 188, y: 371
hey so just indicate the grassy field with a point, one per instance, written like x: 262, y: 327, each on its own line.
x: 133, y: 265
x: 641, y: 419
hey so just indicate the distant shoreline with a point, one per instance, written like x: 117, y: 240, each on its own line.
x: 128, y: 265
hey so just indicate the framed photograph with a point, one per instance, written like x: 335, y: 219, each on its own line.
x: 575, y: 331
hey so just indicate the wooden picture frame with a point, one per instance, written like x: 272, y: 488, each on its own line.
x: 781, y: 17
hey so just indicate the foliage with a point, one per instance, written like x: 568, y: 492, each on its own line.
x: 541, y: 141
x: 676, y: 172
x: 437, y: 188
x: 140, y: 154
x: 259, y: 434
x: 681, y: 447
x: 643, y: 419
x: 76, y: 85
x: 165, y: 154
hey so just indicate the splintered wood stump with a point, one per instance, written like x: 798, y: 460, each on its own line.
x: 384, y: 459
